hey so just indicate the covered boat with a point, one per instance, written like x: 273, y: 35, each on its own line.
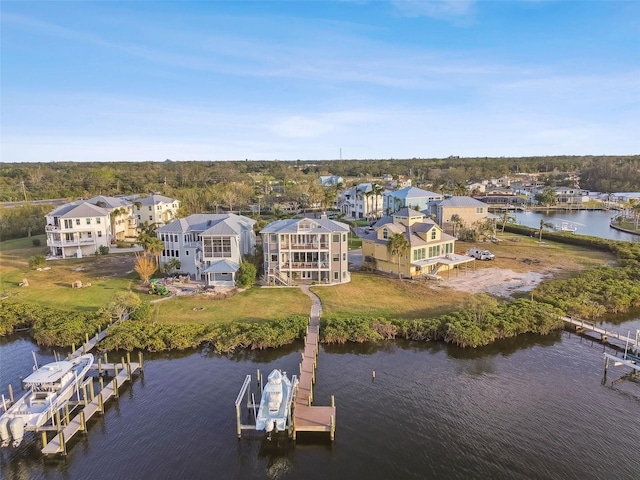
x: 48, y: 388
x: 275, y: 404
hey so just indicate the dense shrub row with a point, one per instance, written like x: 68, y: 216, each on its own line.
x: 50, y: 326
x: 130, y: 335
x: 472, y: 327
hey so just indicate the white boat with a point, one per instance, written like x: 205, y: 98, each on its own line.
x: 48, y: 388
x: 565, y: 227
x: 275, y: 404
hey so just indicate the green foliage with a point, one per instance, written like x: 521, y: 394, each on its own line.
x: 37, y: 261
x: 36, y: 242
x: 141, y: 313
x: 103, y: 250
x: 22, y: 221
x: 246, y: 274
x: 223, y: 338
x: 484, y: 322
x: 50, y: 326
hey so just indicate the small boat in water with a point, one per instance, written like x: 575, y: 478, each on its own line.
x: 275, y: 404
x: 565, y: 227
x: 49, y: 387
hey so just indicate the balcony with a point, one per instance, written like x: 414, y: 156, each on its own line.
x: 304, y: 246
x: 304, y: 266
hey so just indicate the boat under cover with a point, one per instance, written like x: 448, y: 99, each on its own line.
x: 48, y: 388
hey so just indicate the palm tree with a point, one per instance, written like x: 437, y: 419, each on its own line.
x: 377, y: 191
x: 456, y: 221
x: 507, y: 218
x: 398, y: 246
x: 543, y: 225
x: 154, y: 246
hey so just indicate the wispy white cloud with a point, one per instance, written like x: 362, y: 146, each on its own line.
x: 452, y: 10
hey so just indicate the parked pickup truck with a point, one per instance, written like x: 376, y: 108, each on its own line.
x: 480, y: 254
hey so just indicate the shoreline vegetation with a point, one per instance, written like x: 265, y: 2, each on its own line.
x: 478, y: 320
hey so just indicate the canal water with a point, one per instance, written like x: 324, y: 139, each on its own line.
x: 527, y: 408
x: 594, y: 223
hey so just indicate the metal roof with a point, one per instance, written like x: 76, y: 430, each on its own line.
x: 318, y: 225
x: 110, y: 202
x: 461, y: 202
x: 77, y: 210
x: 412, y: 192
x: 222, y: 266
x: 232, y: 224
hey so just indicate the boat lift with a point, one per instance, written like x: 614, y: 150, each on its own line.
x: 630, y: 359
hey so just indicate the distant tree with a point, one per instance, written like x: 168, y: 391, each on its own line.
x: 37, y: 261
x: 122, y: 304
x: 547, y: 197
x: 506, y: 218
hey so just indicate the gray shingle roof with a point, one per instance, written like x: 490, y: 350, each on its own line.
x: 110, y: 202
x: 84, y: 209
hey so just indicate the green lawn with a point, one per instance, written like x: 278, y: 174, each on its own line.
x: 251, y: 305
x: 371, y: 294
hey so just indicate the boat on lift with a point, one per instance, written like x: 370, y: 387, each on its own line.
x: 275, y: 404
x: 48, y: 388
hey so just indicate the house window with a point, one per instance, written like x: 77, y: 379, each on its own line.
x: 150, y: 217
x: 98, y: 220
x: 88, y: 221
x: 89, y: 234
x: 336, y: 257
x: 139, y: 217
x: 274, y: 258
x: 385, y: 234
x: 344, y: 237
x: 480, y: 210
x: 68, y: 223
x: 77, y: 221
x: 433, y: 234
x: 336, y: 275
x: 344, y: 256
x: 336, y: 237
x: 149, y: 207
x: 99, y: 234
x: 186, y: 253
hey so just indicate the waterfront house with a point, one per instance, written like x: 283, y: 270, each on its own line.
x: 468, y: 211
x: 409, y: 197
x: 305, y: 250
x: 209, y: 247
x: 123, y: 224
x: 154, y: 209
x: 430, y: 252
x: 77, y: 229
x: 331, y: 180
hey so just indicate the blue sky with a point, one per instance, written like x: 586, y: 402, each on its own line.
x: 146, y: 81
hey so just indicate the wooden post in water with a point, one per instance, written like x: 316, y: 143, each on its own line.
x: 83, y: 423
x: 122, y: 364
x: 73, y: 348
x: 101, y: 383
x: 238, y: 424
x: 115, y: 369
x: 63, y: 444
x: 84, y: 395
x: 129, y: 371
x: 91, y: 392
x: 333, y: 401
x: 43, y: 436
x: 58, y: 420
x: 140, y: 360
x: 11, y: 393
x: 332, y: 433
x: 99, y: 366
x: 105, y: 358
x: 115, y: 388
x: 128, y: 357
x: 66, y: 414
x: 100, y: 403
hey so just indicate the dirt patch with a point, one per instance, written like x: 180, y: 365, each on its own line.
x: 496, y: 281
x: 105, y: 265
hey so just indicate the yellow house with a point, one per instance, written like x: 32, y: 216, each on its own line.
x: 468, y: 211
x: 430, y: 250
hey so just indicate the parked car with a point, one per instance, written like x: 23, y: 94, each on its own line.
x: 480, y: 254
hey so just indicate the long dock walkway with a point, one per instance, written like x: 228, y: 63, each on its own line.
x: 605, y: 335
x: 308, y: 417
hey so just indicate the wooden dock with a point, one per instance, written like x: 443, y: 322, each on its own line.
x: 308, y: 417
x: 86, y: 399
x: 93, y: 404
x: 605, y: 335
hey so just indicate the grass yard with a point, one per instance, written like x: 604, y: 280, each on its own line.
x: 524, y: 254
x: 370, y: 294
x: 250, y: 305
x: 107, y: 275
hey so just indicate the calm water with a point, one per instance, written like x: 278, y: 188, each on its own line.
x: 594, y: 223
x: 531, y: 408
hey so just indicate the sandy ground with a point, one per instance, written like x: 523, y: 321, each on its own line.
x: 495, y: 281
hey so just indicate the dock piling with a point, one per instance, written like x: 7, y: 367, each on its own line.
x: 11, y: 393
x: 140, y: 360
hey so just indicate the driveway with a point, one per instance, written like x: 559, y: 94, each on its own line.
x: 355, y: 258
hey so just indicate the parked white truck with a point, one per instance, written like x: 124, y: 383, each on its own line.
x: 481, y: 254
